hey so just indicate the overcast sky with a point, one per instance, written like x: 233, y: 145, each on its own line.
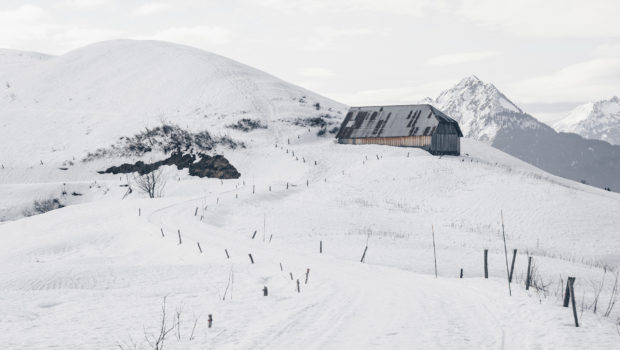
x: 547, y: 56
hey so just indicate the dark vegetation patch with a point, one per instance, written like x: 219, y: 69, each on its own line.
x: 43, y: 206
x: 166, y: 138
x: 325, y: 123
x: 207, y: 166
x: 247, y: 125
x: 314, y: 122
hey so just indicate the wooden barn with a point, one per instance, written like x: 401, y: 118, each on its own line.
x: 422, y: 126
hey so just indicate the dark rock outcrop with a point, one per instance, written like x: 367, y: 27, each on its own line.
x: 207, y: 166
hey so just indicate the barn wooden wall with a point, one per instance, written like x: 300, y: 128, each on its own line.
x: 446, y: 144
x: 436, y: 144
x: 404, y: 141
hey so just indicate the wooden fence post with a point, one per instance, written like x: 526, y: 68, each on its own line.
x: 254, y: 235
x: 461, y: 273
x: 572, y: 299
x: 265, y: 291
x: 226, y: 251
x: 298, y: 290
x: 281, y: 269
x: 180, y: 240
x: 196, y: 211
x: 162, y: 231
x: 529, y: 273
x: 307, y: 273
x: 291, y: 275
x: 198, y: 243
x: 253, y: 188
x: 486, y: 263
x: 512, y: 267
x: 321, y: 247
x: 364, y: 255
x: 251, y: 258
x: 567, y: 293
x: 139, y: 212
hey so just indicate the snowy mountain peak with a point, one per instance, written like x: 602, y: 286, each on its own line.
x: 472, y: 79
x: 594, y: 120
x: 481, y: 109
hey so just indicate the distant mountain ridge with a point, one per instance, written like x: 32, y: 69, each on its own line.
x: 598, y: 120
x: 486, y: 114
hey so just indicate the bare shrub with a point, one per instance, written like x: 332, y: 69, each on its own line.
x: 598, y: 288
x: 152, y: 183
x: 538, y: 282
x: 166, y: 138
x: 167, y: 326
x: 612, y: 298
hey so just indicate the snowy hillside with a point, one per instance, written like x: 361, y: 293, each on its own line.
x: 11, y: 60
x: 95, y: 275
x: 64, y: 107
x: 598, y: 120
x: 487, y: 115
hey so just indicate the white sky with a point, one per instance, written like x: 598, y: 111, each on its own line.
x: 547, y: 56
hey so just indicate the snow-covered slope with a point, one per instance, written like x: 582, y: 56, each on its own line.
x: 58, y: 108
x: 598, y: 120
x: 486, y: 114
x: 11, y: 60
x: 95, y: 275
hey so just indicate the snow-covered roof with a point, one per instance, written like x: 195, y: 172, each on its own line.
x: 396, y: 121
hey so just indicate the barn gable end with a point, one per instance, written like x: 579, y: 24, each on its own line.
x: 421, y: 126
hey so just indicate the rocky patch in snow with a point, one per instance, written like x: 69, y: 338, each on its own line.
x: 207, y: 166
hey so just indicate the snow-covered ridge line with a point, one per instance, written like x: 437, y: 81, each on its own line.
x: 594, y: 120
x: 486, y: 114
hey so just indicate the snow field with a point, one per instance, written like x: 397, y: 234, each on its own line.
x: 94, y: 275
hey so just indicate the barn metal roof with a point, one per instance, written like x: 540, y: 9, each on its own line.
x: 396, y: 121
